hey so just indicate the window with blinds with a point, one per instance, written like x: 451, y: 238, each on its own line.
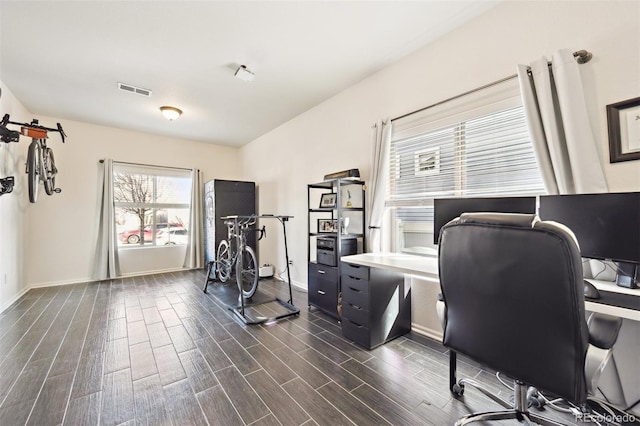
x: 477, y: 146
x: 152, y: 205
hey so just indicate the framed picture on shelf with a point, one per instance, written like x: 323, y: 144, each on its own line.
x: 328, y: 200
x: 327, y: 225
x: 623, y: 119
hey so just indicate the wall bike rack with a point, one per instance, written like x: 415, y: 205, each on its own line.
x: 6, y: 185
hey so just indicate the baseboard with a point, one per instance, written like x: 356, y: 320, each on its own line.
x: 298, y: 286
x: 15, y: 298
x: 427, y: 332
x: 93, y: 280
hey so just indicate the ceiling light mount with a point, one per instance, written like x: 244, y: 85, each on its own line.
x: 244, y: 74
x: 170, y: 113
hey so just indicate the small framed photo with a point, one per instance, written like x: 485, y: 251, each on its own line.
x: 327, y: 225
x: 623, y: 119
x: 328, y: 200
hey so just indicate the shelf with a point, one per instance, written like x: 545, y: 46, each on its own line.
x: 323, y: 280
x: 333, y: 234
x: 329, y: 184
x: 332, y: 209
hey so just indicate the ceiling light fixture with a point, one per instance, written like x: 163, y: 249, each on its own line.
x: 244, y: 74
x: 170, y: 113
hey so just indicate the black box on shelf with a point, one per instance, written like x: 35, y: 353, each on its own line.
x: 327, y: 249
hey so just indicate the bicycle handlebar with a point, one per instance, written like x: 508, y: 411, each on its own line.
x: 33, y: 125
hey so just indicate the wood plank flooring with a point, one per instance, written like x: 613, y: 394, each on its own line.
x: 156, y: 350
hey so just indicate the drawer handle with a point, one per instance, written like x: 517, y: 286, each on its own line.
x: 354, y: 278
x: 321, y: 292
x: 355, y: 323
x: 355, y: 307
x: 320, y: 271
x: 355, y: 289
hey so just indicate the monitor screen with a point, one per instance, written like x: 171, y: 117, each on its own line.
x: 447, y: 209
x: 607, y: 225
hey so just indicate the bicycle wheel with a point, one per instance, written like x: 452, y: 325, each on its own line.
x: 247, y: 272
x: 223, y: 262
x: 48, y: 171
x: 33, y: 159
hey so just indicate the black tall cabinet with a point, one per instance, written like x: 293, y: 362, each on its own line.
x: 225, y: 198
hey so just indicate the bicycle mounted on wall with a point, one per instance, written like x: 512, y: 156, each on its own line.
x: 40, y: 160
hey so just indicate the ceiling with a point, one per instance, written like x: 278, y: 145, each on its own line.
x: 65, y: 58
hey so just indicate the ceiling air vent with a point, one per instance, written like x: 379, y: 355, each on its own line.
x: 134, y: 89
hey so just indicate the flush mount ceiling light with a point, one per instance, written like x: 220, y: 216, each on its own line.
x: 170, y: 113
x: 244, y: 74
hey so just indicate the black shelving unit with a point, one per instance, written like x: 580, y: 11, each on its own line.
x: 324, y: 272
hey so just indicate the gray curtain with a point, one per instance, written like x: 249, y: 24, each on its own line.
x: 107, y: 251
x: 554, y: 104
x: 193, y: 256
x: 380, y: 140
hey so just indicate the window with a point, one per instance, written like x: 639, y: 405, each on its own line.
x: 151, y: 205
x: 472, y: 147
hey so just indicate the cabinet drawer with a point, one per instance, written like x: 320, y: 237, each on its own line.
x: 355, y: 271
x: 353, y: 295
x: 324, y: 272
x: 355, y: 313
x: 356, y: 332
x: 356, y: 284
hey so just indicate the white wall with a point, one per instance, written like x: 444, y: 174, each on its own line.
x: 12, y: 208
x: 335, y: 135
x: 62, y: 233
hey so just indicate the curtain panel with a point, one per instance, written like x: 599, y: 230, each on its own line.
x: 380, y: 140
x: 107, y: 263
x: 558, y: 122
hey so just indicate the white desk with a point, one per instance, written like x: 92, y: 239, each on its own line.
x: 427, y: 267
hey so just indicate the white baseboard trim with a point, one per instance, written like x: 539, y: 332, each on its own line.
x: 13, y: 300
x: 428, y: 332
x: 298, y: 286
x: 93, y: 280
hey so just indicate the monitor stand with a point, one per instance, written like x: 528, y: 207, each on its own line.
x: 627, y: 275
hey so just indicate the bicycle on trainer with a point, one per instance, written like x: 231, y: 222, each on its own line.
x: 234, y: 252
x: 41, y: 166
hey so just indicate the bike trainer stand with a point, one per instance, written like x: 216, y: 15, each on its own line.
x: 242, y: 311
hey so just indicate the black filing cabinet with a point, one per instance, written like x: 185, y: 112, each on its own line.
x: 376, y: 305
x: 323, y: 290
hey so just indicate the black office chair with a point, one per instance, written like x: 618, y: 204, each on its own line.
x: 513, y: 290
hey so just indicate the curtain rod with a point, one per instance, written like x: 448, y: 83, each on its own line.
x: 581, y: 56
x: 147, y: 165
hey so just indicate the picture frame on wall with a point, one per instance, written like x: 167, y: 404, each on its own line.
x: 328, y: 200
x: 623, y: 119
x: 326, y: 226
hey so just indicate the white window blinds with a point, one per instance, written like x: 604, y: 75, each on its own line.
x: 476, y: 146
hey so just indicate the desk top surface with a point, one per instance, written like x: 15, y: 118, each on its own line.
x: 427, y: 267
x: 422, y: 266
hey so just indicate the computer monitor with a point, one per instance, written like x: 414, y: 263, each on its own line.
x: 447, y: 209
x: 606, y: 225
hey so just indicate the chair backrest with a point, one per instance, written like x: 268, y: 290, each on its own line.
x: 513, y: 288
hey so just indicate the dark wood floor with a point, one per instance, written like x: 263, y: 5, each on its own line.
x: 156, y: 350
